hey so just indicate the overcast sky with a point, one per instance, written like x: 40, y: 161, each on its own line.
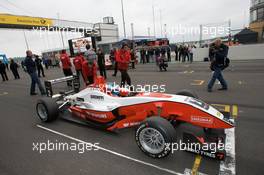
x: 187, y: 13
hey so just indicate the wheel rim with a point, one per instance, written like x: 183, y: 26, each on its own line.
x: 42, y: 111
x: 152, y: 140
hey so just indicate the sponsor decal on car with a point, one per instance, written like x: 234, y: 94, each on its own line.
x: 97, y: 97
x: 200, y: 119
x: 94, y: 115
x: 131, y: 124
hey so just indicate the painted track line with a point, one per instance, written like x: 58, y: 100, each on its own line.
x: 228, y: 166
x: 110, y: 151
x: 196, y: 165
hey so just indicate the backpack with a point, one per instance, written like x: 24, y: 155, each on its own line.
x: 226, y: 63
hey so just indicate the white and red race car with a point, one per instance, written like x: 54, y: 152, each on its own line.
x: 153, y: 113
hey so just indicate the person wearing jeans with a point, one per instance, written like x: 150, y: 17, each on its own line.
x: 35, y: 80
x: 31, y: 69
x: 219, y: 52
x: 217, y: 75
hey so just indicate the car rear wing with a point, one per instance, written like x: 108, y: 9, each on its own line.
x: 72, y: 81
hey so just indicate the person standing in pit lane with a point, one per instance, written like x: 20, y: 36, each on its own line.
x: 13, y: 68
x: 157, y: 55
x: 77, y: 61
x: 114, y: 62
x: 3, y: 71
x: 176, y: 53
x: 123, y: 58
x: 133, y: 58
x: 218, y: 64
x: 191, y: 51
x: 89, y: 67
x: 66, y: 65
x: 101, y: 63
x: 169, y: 53
x: 39, y: 66
x: 31, y: 70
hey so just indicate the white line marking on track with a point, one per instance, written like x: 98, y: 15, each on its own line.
x: 189, y: 172
x: 110, y: 151
x: 228, y: 166
x: 4, y: 93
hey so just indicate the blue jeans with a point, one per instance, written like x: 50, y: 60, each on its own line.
x: 35, y: 80
x: 217, y: 75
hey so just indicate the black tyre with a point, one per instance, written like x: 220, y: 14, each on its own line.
x: 188, y: 93
x: 47, y: 109
x: 154, y: 137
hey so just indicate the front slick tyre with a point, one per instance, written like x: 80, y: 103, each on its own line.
x: 154, y: 137
x: 47, y: 109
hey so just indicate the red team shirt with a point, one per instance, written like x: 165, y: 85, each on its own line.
x: 78, y: 60
x: 65, y: 61
x: 88, y: 71
x: 123, y: 58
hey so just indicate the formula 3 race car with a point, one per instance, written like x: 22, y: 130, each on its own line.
x: 104, y: 105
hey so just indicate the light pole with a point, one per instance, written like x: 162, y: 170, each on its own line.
x: 132, y: 31
x: 161, y: 30
x: 26, y: 41
x: 149, y: 32
x: 201, y: 36
x: 133, y: 37
x: 229, y: 32
x: 165, y: 30
x: 153, y: 16
x: 123, y: 16
x: 62, y: 40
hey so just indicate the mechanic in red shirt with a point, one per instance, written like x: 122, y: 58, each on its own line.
x: 123, y: 59
x: 66, y: 65
x: 77, y: 61
x: 89, y: 70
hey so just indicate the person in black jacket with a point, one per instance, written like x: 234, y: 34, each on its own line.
x: 39, y: 66
x: 101, y: 63
x: 13, y: 68
x: 133, y: 58
x: 31, y: 70
x: 143, y: 56
x: 181, y: 53
x: 113, y: 60
x: 157, y: 56
x: 3, y: 71
x: 169, y: 54
x: 219, y: 52
x: 176, y: 53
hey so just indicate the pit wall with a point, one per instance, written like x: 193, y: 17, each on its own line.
x: 241, y: 52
